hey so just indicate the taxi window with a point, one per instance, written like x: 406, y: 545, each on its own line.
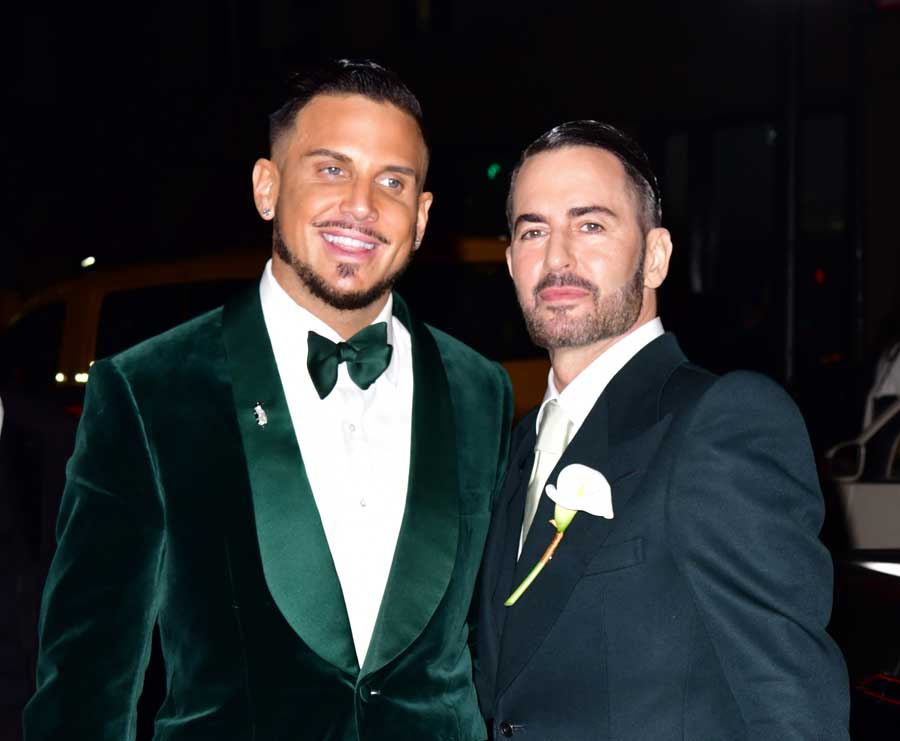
x: 29, y: 350
x: 130, y: 317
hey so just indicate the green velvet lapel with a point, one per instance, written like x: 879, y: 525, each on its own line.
x: 426, y: 548
x: 295, y: 556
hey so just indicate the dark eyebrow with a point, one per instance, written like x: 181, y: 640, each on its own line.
x: 401, y: 170
x: 574, y: 213
x: 340, y: 157
x: 328, y: 153
x: 530, y: 218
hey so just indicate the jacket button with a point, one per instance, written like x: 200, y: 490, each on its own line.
x: 506, y: 729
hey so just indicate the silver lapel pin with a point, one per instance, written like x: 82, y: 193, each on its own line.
x: 262, y: 419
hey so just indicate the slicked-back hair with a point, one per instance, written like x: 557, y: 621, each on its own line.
x: 343, y: 77
x: 587, y: 133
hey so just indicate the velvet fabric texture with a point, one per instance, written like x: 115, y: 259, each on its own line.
x: 182, y: 510
x: 699, y: 610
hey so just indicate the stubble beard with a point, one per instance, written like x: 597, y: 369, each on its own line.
x: 611, y: 316
x: 319, y: 287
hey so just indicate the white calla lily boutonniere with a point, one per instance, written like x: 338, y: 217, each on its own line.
x: 578, y: 489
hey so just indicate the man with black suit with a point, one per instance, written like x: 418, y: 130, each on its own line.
x: 688, y: 596
x: 295, y: 488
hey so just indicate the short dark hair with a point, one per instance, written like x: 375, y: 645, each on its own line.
x: 588, y: 133
x: 343, y: 77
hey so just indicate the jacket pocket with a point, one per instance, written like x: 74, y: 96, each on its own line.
x: 616, y: 556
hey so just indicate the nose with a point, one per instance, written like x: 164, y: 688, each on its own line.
x: 358, y: 202
x: 558, y: 255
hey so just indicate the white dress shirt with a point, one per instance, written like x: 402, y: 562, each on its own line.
x: 578, y: 398
x: 355, y: 446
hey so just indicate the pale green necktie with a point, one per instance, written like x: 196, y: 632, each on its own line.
x: 553, y: 436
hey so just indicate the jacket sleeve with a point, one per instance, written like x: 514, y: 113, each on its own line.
x: 100, y: 598
x: 744, y: 510
x: 504, y: 428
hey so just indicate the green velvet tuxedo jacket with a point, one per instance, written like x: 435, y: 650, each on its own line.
x: 182, y: 510
x: 698, y: 612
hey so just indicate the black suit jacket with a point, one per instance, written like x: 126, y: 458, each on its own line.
x: 699, y: 610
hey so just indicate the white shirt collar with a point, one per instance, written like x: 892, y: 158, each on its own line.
x: 289, y: 319
x: 578, y: 398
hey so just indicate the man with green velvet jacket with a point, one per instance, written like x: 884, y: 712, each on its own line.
x: 296, y: 487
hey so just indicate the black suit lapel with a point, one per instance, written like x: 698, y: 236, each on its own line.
x: 502, y: 548
x: 500, y: 552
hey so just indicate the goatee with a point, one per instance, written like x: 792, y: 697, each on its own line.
x: 319, y: 287
x: 611, y: 316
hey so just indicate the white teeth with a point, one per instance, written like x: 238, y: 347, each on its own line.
x: 348, y: 242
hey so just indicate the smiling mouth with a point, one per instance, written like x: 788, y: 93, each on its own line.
x: 348, y: 243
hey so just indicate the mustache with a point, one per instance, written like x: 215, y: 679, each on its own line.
x: 554, y: 280
x: 352, y: 228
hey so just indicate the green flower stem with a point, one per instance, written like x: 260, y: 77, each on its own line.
x: 562, y: 516
x: 538, y: 567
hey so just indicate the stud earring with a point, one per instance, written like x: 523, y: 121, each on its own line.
x: 267, y: 212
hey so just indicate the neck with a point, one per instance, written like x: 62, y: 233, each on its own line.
x: 346, y: 322
x: 568, y: 362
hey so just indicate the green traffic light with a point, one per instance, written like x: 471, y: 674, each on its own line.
x: 493, y: 170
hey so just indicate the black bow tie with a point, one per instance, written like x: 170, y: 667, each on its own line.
x: 366, y: 354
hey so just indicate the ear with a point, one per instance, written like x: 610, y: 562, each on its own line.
x: 509, y: 258
x: 423, y: 206
x: 656, y: 257
x: 265, y: 188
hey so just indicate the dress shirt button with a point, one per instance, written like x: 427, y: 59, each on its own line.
x: 362, y: 502
x: 506, y: 729
x: 352, y: 427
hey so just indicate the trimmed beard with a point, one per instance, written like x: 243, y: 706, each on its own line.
x: 318, y: 287
x: 611, y: 316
